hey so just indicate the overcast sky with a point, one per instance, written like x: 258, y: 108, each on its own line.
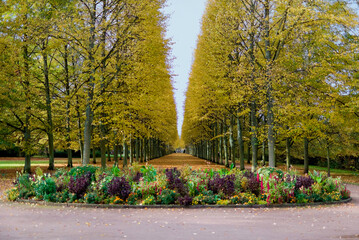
x: 183, y: 28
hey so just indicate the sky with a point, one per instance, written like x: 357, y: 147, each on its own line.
x: 183, y: 28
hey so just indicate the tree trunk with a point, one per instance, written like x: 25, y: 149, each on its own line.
x: 306, y: 156
x: 208, y: 151
x: 137, y: 149
x: 328, y: 159
x: 94, y: 155
x: 68, y: 104
x: 248, y: 152
x: 263, y: 153
x: 27, y: 137
x: 26, y: 86
x: 231, y: 142
x: 288, y: 145
x: 115, y: 155
x: 240, y: 143
x: 149, y: 148
x: 270, y: 115
x: 108, y: 154
x: 144, y: 150
x: 125, y: 153
x: 131, y: 151
x: 102, y: 150
x: 216, y: 150
x: 90, y: 88
x: 249, y: 143
x: 221, y: 144
x: 78, y: 116
x: 254, y: 140
x: 49, y: 128
x: 147, y: 154
x: 225, y: 144
x: 103, y: 68
x: 142, y: 144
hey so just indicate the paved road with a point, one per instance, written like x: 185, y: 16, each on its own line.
x: 21, y: 221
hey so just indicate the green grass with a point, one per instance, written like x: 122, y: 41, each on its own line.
x: 5, y: 164
x: 332, y: 170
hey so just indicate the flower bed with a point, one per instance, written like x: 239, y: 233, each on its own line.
x: 149, y: 186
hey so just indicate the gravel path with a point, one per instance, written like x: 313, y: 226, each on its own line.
x: 25, y: 221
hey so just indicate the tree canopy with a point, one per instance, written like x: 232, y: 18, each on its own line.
x: 285, y: 70
x: 84, y: 74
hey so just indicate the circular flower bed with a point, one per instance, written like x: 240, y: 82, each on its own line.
x: 149, y: 186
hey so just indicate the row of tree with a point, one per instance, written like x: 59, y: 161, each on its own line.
x: 271, y: 76
x: 85, y: 74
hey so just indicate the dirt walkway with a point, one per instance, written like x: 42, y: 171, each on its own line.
x: 24, y: 221
x: 181, y: 160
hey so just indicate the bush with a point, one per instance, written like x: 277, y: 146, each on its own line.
x: 119, y: 187
x: 136, y: 178
x: 172, y: 174
x: 345, y: 193
x: 207, y: 197
x: 149, y: 173
x: 167, y: 197
x: 60, y: 172
x: 79, y: 185
x: 83, y: 170
x: 174, y: 182
x: 44, y: 187
x: 62, y: 183
x: 91, y: 198
x: 185, y: 201
x: 303, y: 181
x: 253, y: 183
x: 24, y: 184
x: 62, y: 196
x: 149, y: 201
x: 12, y: 194
x: 133, y: 198
x: 223, y: 202
x: 224, y: 185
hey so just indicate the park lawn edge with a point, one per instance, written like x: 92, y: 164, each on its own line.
x: 124, y: 206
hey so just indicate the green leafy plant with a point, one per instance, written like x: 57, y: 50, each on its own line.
x: 149, y: 173
x: 44, y: 187
x: 317, y: 176
x: 39, y: 172
x: 167, y: 197
x: 116, y: 172
x: 24, y: 183
x: 12, y: 194
x: 82, y: 170
x: 150, y: 200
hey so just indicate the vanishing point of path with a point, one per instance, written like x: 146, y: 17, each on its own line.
x: 25, y: 221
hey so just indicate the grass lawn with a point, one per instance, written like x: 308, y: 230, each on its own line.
x: 300, y: 168
x: 332, y: 170
x: 8, y: 164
